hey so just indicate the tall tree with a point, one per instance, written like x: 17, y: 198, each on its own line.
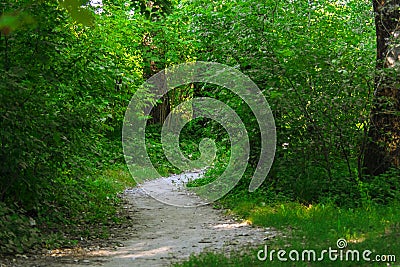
x: 155, y: 11
x: 383, y: 148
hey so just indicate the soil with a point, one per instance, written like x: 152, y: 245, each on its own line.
x: 159, y: 234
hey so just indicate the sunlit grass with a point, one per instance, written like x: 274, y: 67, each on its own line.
x: 318, y: 227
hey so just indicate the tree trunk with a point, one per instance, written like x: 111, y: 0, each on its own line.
x: 160, y: 112
x: 383, y: 147
x: 154, y: 10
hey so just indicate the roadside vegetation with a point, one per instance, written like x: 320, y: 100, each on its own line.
x: 69, y: 69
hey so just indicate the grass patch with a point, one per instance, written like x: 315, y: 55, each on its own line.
x: 85, y: 207
x: 318, y: 227
x: 88, y: 210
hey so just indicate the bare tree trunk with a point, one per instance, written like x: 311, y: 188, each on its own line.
x: 160, y: 111
x: 383, y: 148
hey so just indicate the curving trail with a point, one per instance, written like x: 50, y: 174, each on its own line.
x: 165, y: 234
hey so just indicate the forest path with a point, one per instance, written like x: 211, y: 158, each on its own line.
x: 164, y: 234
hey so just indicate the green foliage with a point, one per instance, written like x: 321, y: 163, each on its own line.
x: 18, y: 233
x: 315, y: 227
x: 155, y: 151
x: 80, y: 204
x: 68, y: 71
x: 314, y: 63
x: 64, y: 89
x: 381, y: 189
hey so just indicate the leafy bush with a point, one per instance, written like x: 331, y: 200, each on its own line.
x: 317, y: 81
x: 18, y: 232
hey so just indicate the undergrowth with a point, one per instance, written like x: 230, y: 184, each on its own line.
x: 369, y: 222
x: 85, y: 208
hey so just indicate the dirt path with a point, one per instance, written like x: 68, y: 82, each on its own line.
x: 164, y: 234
